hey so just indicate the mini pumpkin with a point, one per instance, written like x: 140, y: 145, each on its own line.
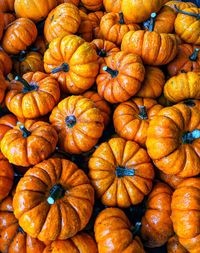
x: 95, y: 18
x: 5, y: 63
x: 79, y: 124
x: 174, y: 246
x: 181, y: 5
x: 40, y: 45
x: 93, y: 5
x: 112, y: 5
x: 75, y: 2
x: 3, y: 87
x: 8, y: 18
x: 7, y: 5
x: 171, y: 180
x: 58, y: 204
x: 1, y: 24
x: 7, y: 122
x: 85, y: 30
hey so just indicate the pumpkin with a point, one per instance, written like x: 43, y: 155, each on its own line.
x: 58, y: 204
x: 7, y: 5
x: 187, y: 25
x: 183, y: 86
x: 73, y: 62
x: 8, y: 18
x: 12, y: 236
x: 20, y: 34
x: 121, y: 172
x: 101, y: 104
x: 181, y: 5
x: 113, y: 27
x: 93, y: 5
x: 157, y: 226
x: 153, y: 83
x: 75, y: 2
x: 34, y: 9
x: 40, y: 44
x: 186, y: 214
x: 188, y: 59
x: 138, y: 11
x: 33, y: 96
x: 61, y: 21
x: 28, y: 144
x: 113, y: 233
x: 81, y: 242
x: 174, y: 246
x: 95, y: 18
x: 1, y: 24
x: 5, y: 63
x: 112, y: 5
x: 7, y: 122
x: 131, y: 118
x: 79, y: 124
x: 171, y: 180
x: 85, y: 30
x: 104, y: 48
x: 173, y: 140
x: 3, y: 87
x: 120, y: 77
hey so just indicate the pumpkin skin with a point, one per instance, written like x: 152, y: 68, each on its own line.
x: 61, y: 21
x: 20, y: 34
x: 153, y: 83
x: 3, y: 87
x: 79, y: 124
x: 188, y: 27
x: 180, y: 5
x: 85, y: 30
x: 95, y: 18
x: 113, y: 233
x: 41, y: 44
x: 174, y: 246
x: 7, y: 122
x: 113, y: 27
x: 125, y: 81
x: 75, y: 2
x: 43, y: 95
x: 71, y: 210
x: 157, y: 226
x: 93, y: 5
x: 33, y: 9
x: 1, y: 24
x: 187, y: 60
x: 7, y: 5
x: 183, y: 86
x: 121, y: 173
x: 171, y: 180
x: 81, y: 59
x: 81, y: 242
x: 154, y: 48
x: 12, y: 238
x: 168, y: 144
x: 186, y: 214
x: 131, y: 118
x: 5, y: 63
x: 8, y: 18
x: 112, y: 5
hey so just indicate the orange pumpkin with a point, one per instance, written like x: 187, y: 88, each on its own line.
x: 171, y: 180
x: 95, y: 18
x: 7, y: 122
x: 1, y: 24
x: 8, y: 18
x: 75, y: 2
x: 174, y: 246
x: 76, y: 65
x: 120, y: 77
x: 112, y: 5
x: 5, y: 63
x: 40, y: 44
x: 3, y: 87
x: 79, y: 124
x: 7, y: 5
x: 181, y: 5
x: 57, y: 200
x: 93, y: 5
x: 85, y: 30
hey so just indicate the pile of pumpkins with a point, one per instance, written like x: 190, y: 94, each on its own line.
x: 100, y: 114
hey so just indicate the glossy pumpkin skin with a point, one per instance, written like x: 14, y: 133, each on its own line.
x: 41, y: 44
x: 36, y: 103
x: 157, y: 226
x: 171, y: 180
x: 81, y: 242
x: 1, y: 24
x: 75, y: 2
x: 112, y: 5
x: 7, y: 5
x: 154, y: 48
x: 93, y: 5
x: 121, y: 173
x: 12, y: 238
x: 113, y: 30
x: 82, y: 63
x: 174, y: 246
x: 131, y: 118
x: 183, y: 61
x: 20, y: 34
x: 33, y: 9
x: 95, y: 18
x: 186, y: 214
x: 126, y: 82
x: 3, y: 87
x: 7, y: 122
x: 5, y: 63
x: 167, y: 142
x: 62, y: 20
x: 180, y: 5
x: 8, y: 18
x: 113, y: 233
x: 85, y: 30
x: 183, y: 86
x: 188, y: 27
x: 70, y: 213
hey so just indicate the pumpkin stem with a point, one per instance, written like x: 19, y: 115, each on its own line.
x: 123, y: 172
x: 187, y: 13
x: 143, y: 112
x: 121, y: 18
x: 20, y: 230
x: 64, y: 67
x: 136, y: 229
x: 189, y: 137
x: 25, y: 132
x: 27, y: 86
x: 189, y: 103
x: 112, y: 72
x: 56, y: 192
x: 102, y: 53
x: 152, y: 21
x: 70, y: 121
x: 194, y: 55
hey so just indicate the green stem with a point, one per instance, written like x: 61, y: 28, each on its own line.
x: 189, y: 137
x: 136, y: 229
x: 152, y: 21
x: 187, y: 13
x: 123, y: 172
x: 25, y: 132
x: 194, y: 55
x: 70, y: 121
x: 102, y: 53
x: 56, y: 192
x: 64, y: 67
x: 20, y: 230
x: 143, y: 112
x: 121, y: 18
x: 27, y: 86
x: 113, y: 73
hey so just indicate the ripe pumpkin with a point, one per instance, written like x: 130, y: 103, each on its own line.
x: 34, y: 9
x: 7, y: 5
x: 174, y: 246
x: 157, y: 226
x: 8, y: 18
x: 112, y: 5
x: 1, y: 24
x: 7, y: 122
x: 183, y: 86
x: 93, y: 5
x: 121, y: 172
x: 85, y: 30
x: 20, y: 34
x: 62, y: 20
x: 5, y: 63
x: 186, y: 214
x: 171, y: 180
x: 188, y: 59
x: 12, y: 236
x: 40, y: 44
x: 131, y: 118
x: 95, y: 18
x: 76, y: 65
x: 61, y: 193
x: 113, y: 233
x: 79, y: 124
x: 120, y: 77
x: 173, y: 140
x: 33, y: 96
x: 81, y: 242
x: 180, y: 5
x: 3, y: 87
